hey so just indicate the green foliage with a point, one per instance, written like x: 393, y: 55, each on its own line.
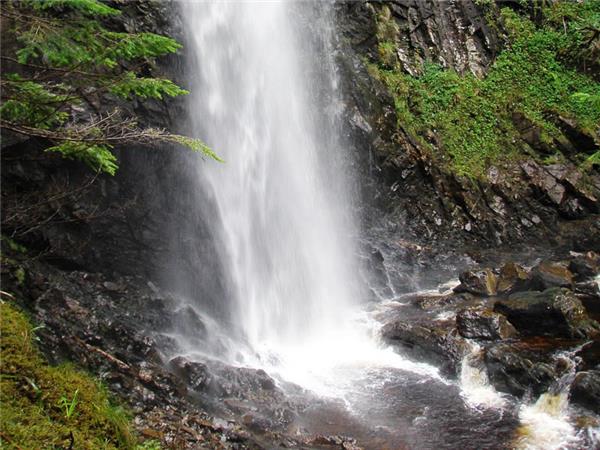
x: 132, y: 86
x: 195, y: 145
x: 593, y: 160
x: 99, y: 157
x: 13, y: 245
x: 69, y: 56
x: 473, y: 116
x: 43, y: 405
x: 69, y: 405
x: 33, y: 104
x: 149, y: 445
x: 20, y: 275
x: 88, y: 7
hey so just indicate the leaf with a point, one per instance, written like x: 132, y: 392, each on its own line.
x: 98, y: 157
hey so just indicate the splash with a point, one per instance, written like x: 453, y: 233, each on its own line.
x: 547, y: 424
x: 476, y: 389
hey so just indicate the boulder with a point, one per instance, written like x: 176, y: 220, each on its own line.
x: 585, y: 390
x: 243, y: 383
x: 195, y: 374
x: 437, y: 342
x: 482, y: 323
x: 553, y: 312
x: 481, y: 282
x: 589, y: 356
x: 513, y: 278
x: 551, y: 274
x: 518, y: 367
x: 585, y: 266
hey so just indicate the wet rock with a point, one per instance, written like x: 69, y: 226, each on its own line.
x: 554, y: 312
x: 589, y: 295
x: 242, y: 383
x: 519, y: 367
x: 112, y: 287
x: 585, y: 390
x: 195, y: 374
x: 438, y: 342
x: 341, y: 442
x: 585, y: 266
x: 257, y: 422
x: 589, y: 356
x: 482, y: 282
x: 513, y: 278
x: 375, y: 274
x: 544, y: 181
x: 187, y: 320
x: 433, y: 302
x: 551, y: 274
x: 482, y: 323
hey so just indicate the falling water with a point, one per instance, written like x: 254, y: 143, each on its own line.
x: 284, y: 220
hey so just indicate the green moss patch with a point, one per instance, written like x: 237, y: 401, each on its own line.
x: 45, y: 407
x: 532, y: 76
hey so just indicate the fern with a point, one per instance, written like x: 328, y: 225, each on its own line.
x: 98, y: 157
x: 65, y: 40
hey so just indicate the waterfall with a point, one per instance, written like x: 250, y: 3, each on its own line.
x: 265, y: 102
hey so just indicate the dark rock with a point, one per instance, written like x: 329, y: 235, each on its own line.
x: 242, y: 383
x: 585, y: 267
x: 545, y: 182
x: 436, y: 342
x: 520, y: 367
x: 513, y: 278
x: 195, y: 374
x: 589, y: 356
x: 554, y: 312
x: 482, y: 282
x: 482, y: 323
x: 551, y: 274
x: 585, y: 390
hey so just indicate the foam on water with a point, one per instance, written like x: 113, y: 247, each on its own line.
x: 545, y: 424
x: 476, y: 389
x: 548, y: 424
x: 329, y: 364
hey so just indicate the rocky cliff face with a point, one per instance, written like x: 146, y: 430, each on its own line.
x: 134, y: 223
x: 407, y: 194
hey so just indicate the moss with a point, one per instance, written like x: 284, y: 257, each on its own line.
x: 33, y: 414
x: 13, y: 245
x: 473, y: 116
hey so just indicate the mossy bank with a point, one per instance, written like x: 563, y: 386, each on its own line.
x: 45, y: 407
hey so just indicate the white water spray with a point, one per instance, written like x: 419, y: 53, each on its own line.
x: 286, y: 239
x: 548, y: 424
x: 285, y: 219
x: 475, y: 386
